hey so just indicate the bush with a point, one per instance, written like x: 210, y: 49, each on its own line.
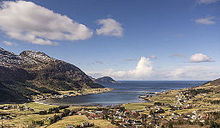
x: 63, y: 107
x: 66, y: 112
x: 54, y: 119
x: 43, y: 112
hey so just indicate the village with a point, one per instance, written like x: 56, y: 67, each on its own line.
x: 165, y: 109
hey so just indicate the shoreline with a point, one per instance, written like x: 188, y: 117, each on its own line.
x: 177, y: 107
x: 140, y: 97
x: 71, y: 93
x: 65, y: 94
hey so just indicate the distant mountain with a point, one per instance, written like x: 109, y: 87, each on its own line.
x: 32, y: 73
x: 105, y: 80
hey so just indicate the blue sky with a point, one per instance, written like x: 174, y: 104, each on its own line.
x: 125, y: 39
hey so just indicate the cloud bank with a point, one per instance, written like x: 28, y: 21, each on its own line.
x: 144, y: 70
x: 32, y: 23
x: 110, y: 27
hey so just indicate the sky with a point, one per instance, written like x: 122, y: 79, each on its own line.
x: 124, y: 39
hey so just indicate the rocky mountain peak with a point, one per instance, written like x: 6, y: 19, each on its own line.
x: 8, y: 58
x: 21, y: 74
x: 3, y: 52
x: 36, y: 56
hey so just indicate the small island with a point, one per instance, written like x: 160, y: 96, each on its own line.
x: 105, y: 80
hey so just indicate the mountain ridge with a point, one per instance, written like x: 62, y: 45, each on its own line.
x: 32, y: 73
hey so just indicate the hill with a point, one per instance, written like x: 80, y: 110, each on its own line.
x: 213, y: 83
x: 33, y: 73
x: 105, y: 80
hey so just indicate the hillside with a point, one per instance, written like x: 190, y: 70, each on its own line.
x: 190, y: 107
x: 32, y: 73
x: 213, y: 83
x: 195, y: 107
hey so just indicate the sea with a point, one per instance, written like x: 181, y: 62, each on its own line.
x: 125, y: 92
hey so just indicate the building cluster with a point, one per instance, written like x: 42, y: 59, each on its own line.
x: 18, y: 107
x: 117, y: 115
x: 7, y: 116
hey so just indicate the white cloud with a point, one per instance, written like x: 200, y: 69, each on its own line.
x: 135, y: 59
x: 33, y: 23
x: 145, y: 71
x: 206, y: 1
x: 206, y: 20
x: 142, y: 71
x: 110, y: 27
x: 9, y: 43
x: 194, y: 73
x: 199, y: 57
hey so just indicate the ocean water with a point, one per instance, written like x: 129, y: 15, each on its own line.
x: 126, y: 92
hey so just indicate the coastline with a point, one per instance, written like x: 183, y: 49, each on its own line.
x: 71, y: 93
x: 65, y: 94
x: 189, y: 107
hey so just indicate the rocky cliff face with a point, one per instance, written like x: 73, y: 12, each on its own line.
x: 33, y: 72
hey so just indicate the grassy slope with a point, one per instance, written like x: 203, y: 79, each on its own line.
x: 25, y: 118
x: 78, y: 119
x: 200, y: 102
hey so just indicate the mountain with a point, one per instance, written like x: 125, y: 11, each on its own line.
x: 105, y: 80
x: 32, y: 73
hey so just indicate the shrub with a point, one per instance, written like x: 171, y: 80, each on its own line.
x: 43, y: 112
